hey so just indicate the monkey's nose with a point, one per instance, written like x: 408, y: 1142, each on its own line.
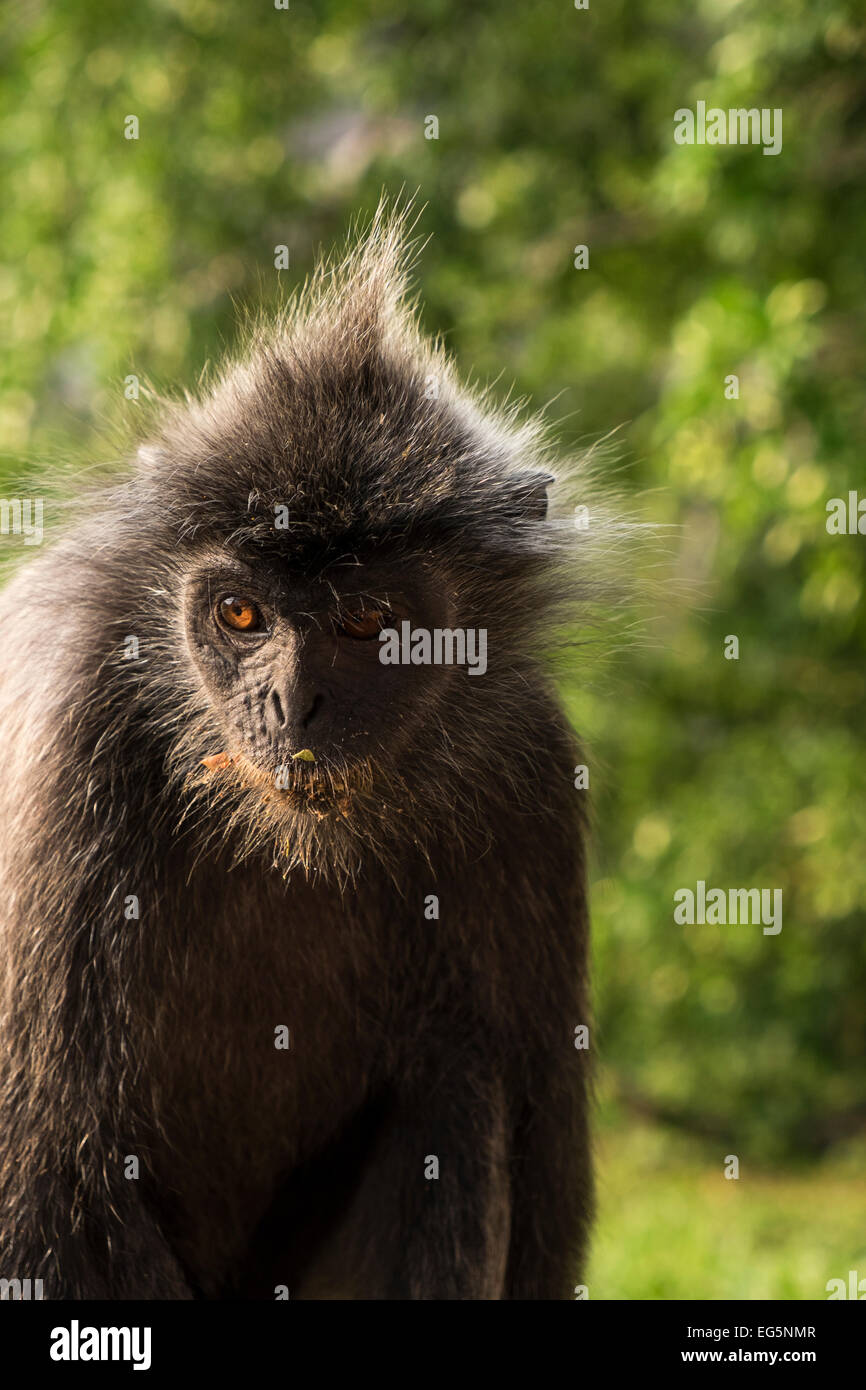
x: 298, y: 708
x: 314, y: 707
x: 275, y: 715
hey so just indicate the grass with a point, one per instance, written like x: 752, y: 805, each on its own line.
x: 671, y: 1226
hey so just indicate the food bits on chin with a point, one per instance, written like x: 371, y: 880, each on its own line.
x: 217, y: 762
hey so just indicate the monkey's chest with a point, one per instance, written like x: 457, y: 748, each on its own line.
x: 255, y: 1065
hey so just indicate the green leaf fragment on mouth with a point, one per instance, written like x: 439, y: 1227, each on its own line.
x: 306, y: 755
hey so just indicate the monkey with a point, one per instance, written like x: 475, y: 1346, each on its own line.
x: 295, y: 940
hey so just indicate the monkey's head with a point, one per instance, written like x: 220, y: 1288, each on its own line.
x: 289, y: 656
x: 337, y: 484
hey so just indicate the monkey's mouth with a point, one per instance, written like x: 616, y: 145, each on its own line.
x: 303, y: 782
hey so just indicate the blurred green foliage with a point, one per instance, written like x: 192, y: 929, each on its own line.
x: 670, y: 1225
x: 261, y: 127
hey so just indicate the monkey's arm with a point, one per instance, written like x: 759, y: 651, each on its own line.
x: 68, y: 1214
x: 551, y: 1160
x: 91, y: 1241
x: 430, y: 1217
x: 552, y: 1187
x: 456, y: 1201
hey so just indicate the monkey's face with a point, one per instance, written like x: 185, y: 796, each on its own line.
x: 291, y: 666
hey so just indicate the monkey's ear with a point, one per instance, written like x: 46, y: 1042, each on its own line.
x: 529, y: 494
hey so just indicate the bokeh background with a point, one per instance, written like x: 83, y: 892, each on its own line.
x: 261, y: 127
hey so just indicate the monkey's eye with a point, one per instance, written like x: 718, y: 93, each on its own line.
x: 240, y: 615
x: 363, y: 625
